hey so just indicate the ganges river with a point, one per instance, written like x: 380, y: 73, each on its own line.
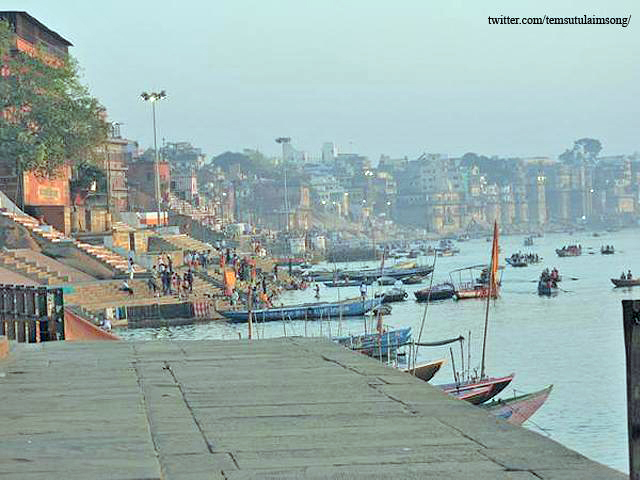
x: 573, y: 340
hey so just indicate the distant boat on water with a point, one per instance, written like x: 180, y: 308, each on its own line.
x: 625, y: 282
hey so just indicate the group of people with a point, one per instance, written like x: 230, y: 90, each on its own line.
x: 165, y: 280
x: 627, y: 276
x: 525, y: 258
x: 550, y: 278
x: 195, y: 260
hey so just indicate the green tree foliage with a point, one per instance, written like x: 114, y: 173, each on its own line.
x: 496, y: 170
x: 47, y: 117
x: 584, y: 150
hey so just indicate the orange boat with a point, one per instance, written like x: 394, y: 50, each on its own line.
x: 77, y: 329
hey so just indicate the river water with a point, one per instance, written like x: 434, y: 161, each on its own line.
x: 573, y: 340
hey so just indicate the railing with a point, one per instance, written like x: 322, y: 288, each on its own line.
x: 31, y: 314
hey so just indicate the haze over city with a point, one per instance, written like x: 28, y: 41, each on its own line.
x: 373, y: 77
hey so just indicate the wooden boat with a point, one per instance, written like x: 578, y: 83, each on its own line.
x: 77, y: 329
x: 413, y: 280
x: 517, y: 262
x: 442, y: 291
x: 570, y: 251
x: 342, y: 283
x: 547, y: 288
x: 476, y: 291
x: 308, y: 311
x: 376, y: 344
x: 528, y: 241
x: 492, y: 385
x: 393, y: 295
x: 607, y: 250
x: 426, y: 371
x: 518, y: 409
x: 623, y: 282
x: 395, y: 272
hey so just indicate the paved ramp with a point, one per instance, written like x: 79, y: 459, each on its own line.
x: 277, y: 409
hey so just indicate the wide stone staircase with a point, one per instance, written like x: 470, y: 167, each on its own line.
x: 185, y: 242
x: 45, y: 233
x: 22, y: 263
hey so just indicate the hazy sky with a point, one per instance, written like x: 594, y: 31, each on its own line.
x: 394, y: 77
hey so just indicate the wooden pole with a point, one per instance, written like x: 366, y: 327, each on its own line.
x: 250, y: 309
x: 631, y: 322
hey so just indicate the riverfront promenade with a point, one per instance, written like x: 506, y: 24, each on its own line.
x: 282, y: 408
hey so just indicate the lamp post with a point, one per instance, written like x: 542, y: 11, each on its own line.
x: 284, y: 141
x: 224, y: 196
x: 153, y: 97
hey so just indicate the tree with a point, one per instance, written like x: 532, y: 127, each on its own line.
x: 47, y: 117
x: 584, y: 150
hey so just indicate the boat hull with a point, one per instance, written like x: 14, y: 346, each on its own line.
x: 478, y: 292
x: 426, y: 371
x: 619, y: 282
x: 519, y: 409
x: 376, y: 344
x: 310, y: 311
x: 436, y: 294
x: 462, y: 390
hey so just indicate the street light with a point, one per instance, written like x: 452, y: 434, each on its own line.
x: 153, y: 97
x: 284, y: 141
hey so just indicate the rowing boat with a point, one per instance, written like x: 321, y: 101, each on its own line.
x: 426, y: 371
x: 308, y: 311
x: 462, y: 390
x: 518, y: 409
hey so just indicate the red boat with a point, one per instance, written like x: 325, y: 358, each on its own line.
x: 470, y: 390
x: 518, y: 409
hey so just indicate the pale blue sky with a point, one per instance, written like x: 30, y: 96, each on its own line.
x: 394, y: 77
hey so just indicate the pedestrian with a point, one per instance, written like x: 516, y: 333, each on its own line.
x: 363, y: 291
x: 189, y: 277
x: 130, y: 268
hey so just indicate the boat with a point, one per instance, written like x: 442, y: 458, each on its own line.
x: 547, y: 288
x: 528, y: 242
x: 308, y: 311
x: 520, y: 408
x: 426, y: 371
x: 413, y: 280
x: 442, y: 291
x: 570, y: 251
x: 475, y: 287
x: 376, y: 344
x: 477, y: 391
x: 608, y: 250
x: 386, y: 281
x: 396, y: 272
x: 517, y: 261
x: 625, y: 282
x: 393, y: 295
x: 342, y: 283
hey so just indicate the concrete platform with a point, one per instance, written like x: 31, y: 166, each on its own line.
x: 277, y: 409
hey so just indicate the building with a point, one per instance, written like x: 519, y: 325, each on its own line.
x: 142, y: 187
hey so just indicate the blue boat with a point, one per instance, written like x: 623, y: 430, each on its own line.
x: 308, y: 311
x: 376, y: 344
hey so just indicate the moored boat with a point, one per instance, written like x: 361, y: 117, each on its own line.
x: 392, y: 295
x: 437, y: 292
x: 607, y: 250
x: 518, y: 409
x: 493, y: 386
x: 426, y: 371
x: 376, y: 344
x: 307, y: 311
x: 413, y: 280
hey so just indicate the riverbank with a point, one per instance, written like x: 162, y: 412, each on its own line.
x: 285, y: 408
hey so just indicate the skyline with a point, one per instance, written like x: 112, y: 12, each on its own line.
x: 371, y: 77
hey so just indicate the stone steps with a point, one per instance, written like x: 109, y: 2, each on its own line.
x: 116, y: 262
